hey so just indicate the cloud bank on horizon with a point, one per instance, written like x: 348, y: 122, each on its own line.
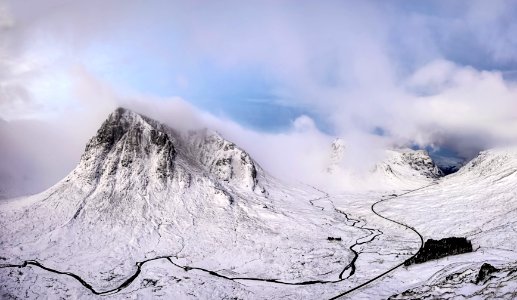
x: 437, y: 74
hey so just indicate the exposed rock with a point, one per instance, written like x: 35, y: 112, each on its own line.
x: 122, y: 140
x: 485, y: 270
x: 491, y: 283
x: 336, y: 155
x: 224, y: 160
x: 420, y: 160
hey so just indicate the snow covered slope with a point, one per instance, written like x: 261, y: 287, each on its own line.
x: 406, y: 167
x: 151, y: 212
x: 143, y: 190
x: 337, y: 154
x: 478, y: 202
x: 394, y: 169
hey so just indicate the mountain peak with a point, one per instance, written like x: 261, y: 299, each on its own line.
x: 129, y: 145
x: 120, y: 122
x: 114, y: 127
x: 125, y: 138
x: 122, y: 114
x: 337, y: 154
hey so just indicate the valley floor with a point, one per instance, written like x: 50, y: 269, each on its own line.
x: 370, y: 246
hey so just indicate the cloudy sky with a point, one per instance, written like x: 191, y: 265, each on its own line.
x: 439, y: 75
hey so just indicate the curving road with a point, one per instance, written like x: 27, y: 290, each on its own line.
x: 372, y: 208
x: 366, y: 239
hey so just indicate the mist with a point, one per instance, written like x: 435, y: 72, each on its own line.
x: 379, y: 74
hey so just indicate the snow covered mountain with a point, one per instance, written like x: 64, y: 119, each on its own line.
x: 407, y: 165
x: 152, y: 212
x: 491, y: 165
x: 143, y: 190
x: 396, y: 168
x: 337, y: 153
x: 145, y: 182
x: 478, y: 202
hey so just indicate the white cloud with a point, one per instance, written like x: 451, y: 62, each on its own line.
x: 480, y: 105
x: 360, y: 65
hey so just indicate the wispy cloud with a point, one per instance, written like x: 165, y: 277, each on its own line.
x: 427, y: 73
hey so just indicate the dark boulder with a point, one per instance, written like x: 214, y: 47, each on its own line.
x: 485, y: 270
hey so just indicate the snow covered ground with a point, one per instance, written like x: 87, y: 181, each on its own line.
x: 150, y: 212
x: 480, y: 203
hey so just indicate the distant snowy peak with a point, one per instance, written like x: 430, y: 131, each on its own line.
x: 393, y: 168
x: 420, y: 161
x: 417, y: 161
x: 494, y: 164
x: 338, y: 148
x: 337, y: 154
x: 407, y: 165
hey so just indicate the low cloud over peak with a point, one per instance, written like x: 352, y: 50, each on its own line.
x: 380, y: 74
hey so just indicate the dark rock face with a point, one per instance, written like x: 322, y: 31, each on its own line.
x: 225, y: 160
x: 492, y: 283
x: 484, y: 272
x: 111, y: 130
x: 421, y: 161
x: 166, y: 163
x: 434, y: 249
x: 125, y: 138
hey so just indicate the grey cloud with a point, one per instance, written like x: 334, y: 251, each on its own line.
x: 361, y: 65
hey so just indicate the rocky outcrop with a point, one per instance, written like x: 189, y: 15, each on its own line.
x: 124, y: 139
x: 224, y: 160
x: 484, y: 272
x: 132, y: 144
x: 420, y: 161
x: 465, y: 282
x: 337, y: 154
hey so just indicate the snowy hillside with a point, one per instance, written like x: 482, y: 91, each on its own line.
x: 153, y: 212
x: 480, y: 203
x: 393, y: 169
x: 406, y: 166
x: 143, y: 191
